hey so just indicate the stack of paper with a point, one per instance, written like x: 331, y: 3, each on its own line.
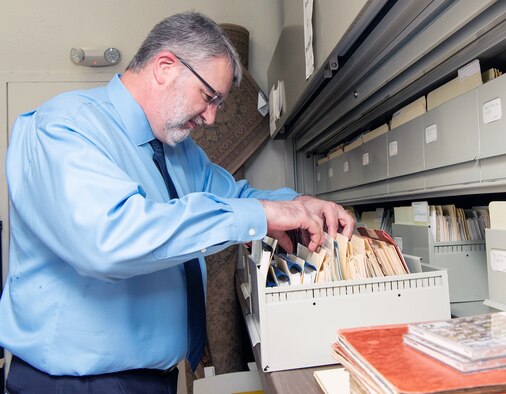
x: 409, y: 112
x: 469, y: 78
x: 380, y: 218
x: 379, y: 362
x: 415, y: 214
x: 322, y: 161
x: 353, y: 144
x: 497, y: 215
x: 333, y: 381
x: 372, y: 253
x: 335, y: 152
x: 469, y: 344
x: 490, y: 74
x: 370, y: 135
x: 449, y: 223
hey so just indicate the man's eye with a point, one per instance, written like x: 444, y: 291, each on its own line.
x: 206, y: 97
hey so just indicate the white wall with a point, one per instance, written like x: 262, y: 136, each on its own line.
x: 36, y: 37
x: 271, y: 167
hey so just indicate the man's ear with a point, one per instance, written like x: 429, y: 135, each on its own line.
x: 164, y: 67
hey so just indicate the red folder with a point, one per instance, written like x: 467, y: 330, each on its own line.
x: 382, y: 236
x: 379, y: 355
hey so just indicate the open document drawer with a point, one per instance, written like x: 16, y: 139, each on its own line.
x: 295, y: 327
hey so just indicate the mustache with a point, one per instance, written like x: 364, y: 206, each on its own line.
x: 197, y: 120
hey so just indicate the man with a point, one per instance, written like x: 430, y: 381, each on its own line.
x: 106, y: 238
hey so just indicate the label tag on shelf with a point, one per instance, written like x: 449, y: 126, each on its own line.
x: 431, y: 133
x: 492, y: 111
x: 365, y: 159
x: 498, y: 260
x: 420, y: 211
x: 392, y: 148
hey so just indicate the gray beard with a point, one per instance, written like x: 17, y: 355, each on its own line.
x: 175, y: 135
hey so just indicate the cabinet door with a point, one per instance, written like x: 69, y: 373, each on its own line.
x: 339, y: 168
x: 492, y: 126
x: 491, y: 111
x: 406, y: 149
x: 373, y: 158
x: 322, y: 178
x: 351, y: 168
x: 451, y: 132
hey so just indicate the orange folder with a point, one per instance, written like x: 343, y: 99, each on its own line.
x: 382, y: 359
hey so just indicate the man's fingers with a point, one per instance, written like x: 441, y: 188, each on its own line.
x: 315, y: 232
x: 330, y: 214
x: 287, y: 215
x: 283, y: 240
x: 348, y: 228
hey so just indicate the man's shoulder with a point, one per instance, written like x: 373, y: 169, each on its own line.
x: 68, y: 105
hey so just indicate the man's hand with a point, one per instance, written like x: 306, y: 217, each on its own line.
x: 333, y: 215
x: 290, y: 215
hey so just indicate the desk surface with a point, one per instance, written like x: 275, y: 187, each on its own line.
x: 294, y: 381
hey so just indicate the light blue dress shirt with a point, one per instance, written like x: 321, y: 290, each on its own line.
x: 95, y: 281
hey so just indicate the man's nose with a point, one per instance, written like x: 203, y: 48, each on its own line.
x: 209, y: 115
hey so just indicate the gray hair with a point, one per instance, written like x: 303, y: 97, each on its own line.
x: 193, y: 37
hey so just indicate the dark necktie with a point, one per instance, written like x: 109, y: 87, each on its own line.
x: 194, y: 285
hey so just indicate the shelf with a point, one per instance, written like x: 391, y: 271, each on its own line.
x: 461, y: 156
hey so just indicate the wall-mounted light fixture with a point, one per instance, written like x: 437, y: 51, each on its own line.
x: 94, y: 57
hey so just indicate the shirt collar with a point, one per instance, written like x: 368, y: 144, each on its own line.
x: 130, y: 112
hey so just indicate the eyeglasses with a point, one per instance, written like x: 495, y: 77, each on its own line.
x: 216, y: 100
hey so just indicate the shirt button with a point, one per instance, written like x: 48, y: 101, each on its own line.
x: 251, y: 231
x: 203, y: 250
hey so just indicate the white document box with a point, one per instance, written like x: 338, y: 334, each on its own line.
x: 294, y: 327
x: 466, y: 261
x: 496, y: 267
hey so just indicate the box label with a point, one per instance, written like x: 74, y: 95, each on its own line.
x: 318, y: 177
x: 492, y: 111
x: 365, y: 159
x: 346, y: 167
x: 498, y: 260
x: 331, y: 172
x: 420, y: 211
x: 392, y: 148
x: 431, y: 133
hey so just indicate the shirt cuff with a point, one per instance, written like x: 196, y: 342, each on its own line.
x: 250, y: 218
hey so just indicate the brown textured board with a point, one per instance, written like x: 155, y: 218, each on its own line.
x: 239, y: 129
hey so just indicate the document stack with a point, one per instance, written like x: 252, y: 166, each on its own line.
x: 449, y: 223
x: 282, y: 290
x: 468, y: 344
x: 380, y: 362
x: 380, y: 218
x: 369, y: 254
